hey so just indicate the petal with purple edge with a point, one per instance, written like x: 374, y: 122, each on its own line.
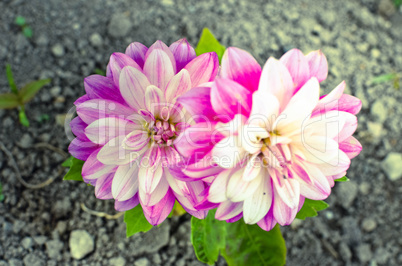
x: 351, y: 147
x: 276, y: 79
x: 95, y: 109
x: 178, y: 85
x: 151, y: 170
x: 203, y: 68
x: 125, y: 182
x: 228, y: 210
x: 116, y: 63
x: 283, y: 214
x: 298, y: 67
x: 154, y: 100
x: 183, y: 52
x: 137, y: 52
x: 163, y: 47
x: 229, y: 98
x: 103, y: 130
x: 157, y: 213
x: 318, y: 65
x: 268, y: 222
x: 150, y: 199
x: 158, y: 68
x: 103, y: 187
x: 81, y: 99
x: 258, y: 205
x: 114, y: 152
x: 81, y: 149
x: 218, y: 187
x: 93, y: 168
x: 100, y: 87
x: 287, y: 189
x: 133, y: 84
x: 240, y: 66
x: 77, y: 127
x: 126, y: 205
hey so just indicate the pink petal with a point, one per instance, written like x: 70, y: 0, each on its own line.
x: 126, y: 205
x: 77, y: 127
x: 268, y: 222
x: 240, y: 66
x: 81, y: 149
x: 275, y: 79
x: 258, y: 205
x: 287, y: 188
x: 178, y: 85
x: 350, y: 104
x: 137, y: 52
x: 163, y: 47
x: 94, y: 169
x: 157, y: 213
x: 116, y: 63
x: 197, y: 102
x: 125, y: 182
x: 133, y: 84
x: 114, y: 152
x: 298, y: 67
x: 229, y: 98
x: 318, y: 65
x: 95, y: 109
x: 228, y: 210
x: 103, y: 188
x: 203, y: 68
x: 330, y: 101
x: 183, y: 52
x: 158, y: 68
x: 100, y: 87
x: 103, y: 130
x: 81, y: 99
x: 154, y: 100
x: 351, y: 147
x: 283, y: 214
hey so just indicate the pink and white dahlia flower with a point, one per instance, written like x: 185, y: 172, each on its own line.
x: 127, y: 123
x: 265, y: 139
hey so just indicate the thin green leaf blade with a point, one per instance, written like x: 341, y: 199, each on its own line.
x: 9, y: 101
x: 75, y: 169
x: 23, y: 118
x: 30, y: 90
x: 10, y: 79
x: 250, y: 245
x: 20, y: 21
x: 208, y: 43
x: 208, y: 237
x: 310, y: 208
x: 135, y: 221
x: 384, y: 78
x: 342, y: 179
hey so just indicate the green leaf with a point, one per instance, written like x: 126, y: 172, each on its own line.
x: 1, y: 193
x: 177, y: 210
x: 136, y: 221
x: 208, y: 237
x: 397, y: 3
x: 10, y: 79
x: 250, y: 245
x: 27, y: 31
x: 20, y: 21
x: 8, y: 101
x: 23, y: 117
x: 208, y: 43
x: 43, y: 118
x: 29, y: 90
x: 310, y: 208
x: 342, y: 179
x: 75, y: 169
x: 100, y: 72
x: 384, y: 78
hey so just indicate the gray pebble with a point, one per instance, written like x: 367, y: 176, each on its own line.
x: 96, y: 40
x: 369, y: 224
x: 81, y: 244
x: 378, y: 110
x: 119, y: 25
x: 33, y: 260
x: 27, y: 242
x: 26, y: 141
x: 15, y: 262
x: 55, y: 91
x: 142, y: 262
x: 346, y: 193
x: 53, y: 248
x: 58, y: 50
x: 117, y: 261
x: 345, y: 252
x: 392, y: 165
x: 40, y: 240
x: 364, y: 253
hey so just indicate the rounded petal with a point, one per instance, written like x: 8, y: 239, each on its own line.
x: 116, y: 63
x: 126, y: 205
x: 183, y: 52
x: 133, y: 84
x: 258, y: 205
x: 137, y: 52
x: 157, y: 213
x: 228, y: 210
x: 318, y: 65
x: 159, y: 68
x: 178, y: 85
x: 82, y: 149
x: 298, y: 67
x: 125, y: 182
x: 114, y: 152
x: 203, y: 68
x: 97, y: 86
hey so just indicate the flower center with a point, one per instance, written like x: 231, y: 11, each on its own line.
x: 162, y: 132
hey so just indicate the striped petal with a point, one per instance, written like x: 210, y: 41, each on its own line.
x: 183, y: 52
x: 133, y: 84
x: 203, y: 68
x: 137, y: 52
x: 125, y: 182
x: 158, y: 68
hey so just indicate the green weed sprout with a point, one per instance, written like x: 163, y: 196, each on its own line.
x: 394, y: 77
x: 26, y: 30
x: 18, y: 98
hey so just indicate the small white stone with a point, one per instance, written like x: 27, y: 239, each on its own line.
x: 96, y: 40
x: 392, y: 166
x: 55, y: 91
x: 58, y: 50
x: 369, y: 224
x: 81, y: 244
x: 142, y: 262
x: 379, y: 111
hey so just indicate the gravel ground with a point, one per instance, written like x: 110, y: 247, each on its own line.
x: 71, y: 38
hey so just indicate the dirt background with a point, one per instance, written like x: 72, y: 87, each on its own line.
x: 362, y: 39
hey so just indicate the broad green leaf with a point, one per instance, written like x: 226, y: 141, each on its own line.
x: 208, y: 237
x: 10, y: 79
x: 342, y: 179
x: 28, y: 91
x: 27, y: 31
x: 20, y: 21
x: 23, y: 118
x: 208, y: 43
x: 250, y: 245
x: 397, y: 3
x: 310, y: 208
x: 8, y: 101
x: 75, y: 169
x: 135, y: 221
x: 384, y: 78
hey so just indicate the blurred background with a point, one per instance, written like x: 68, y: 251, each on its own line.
x: 69, y: 40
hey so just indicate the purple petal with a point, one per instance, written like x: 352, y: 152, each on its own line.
x: 203, y: 68
x: 240, y: 66
x: 116, y: 63
x: 94, y: 169
x: 157, y: 213
x: 81, y: 149
x: 81, y: 99
x: 183, y: 52
x: 97, y: 86
x: 137, y: 52
x: 103, y: 188
x: 268, y: 222
x: 77, y: 127
x: 197, y: 102
x: 126, y: 205
x: 282, y: 213
x: 228, y: 210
